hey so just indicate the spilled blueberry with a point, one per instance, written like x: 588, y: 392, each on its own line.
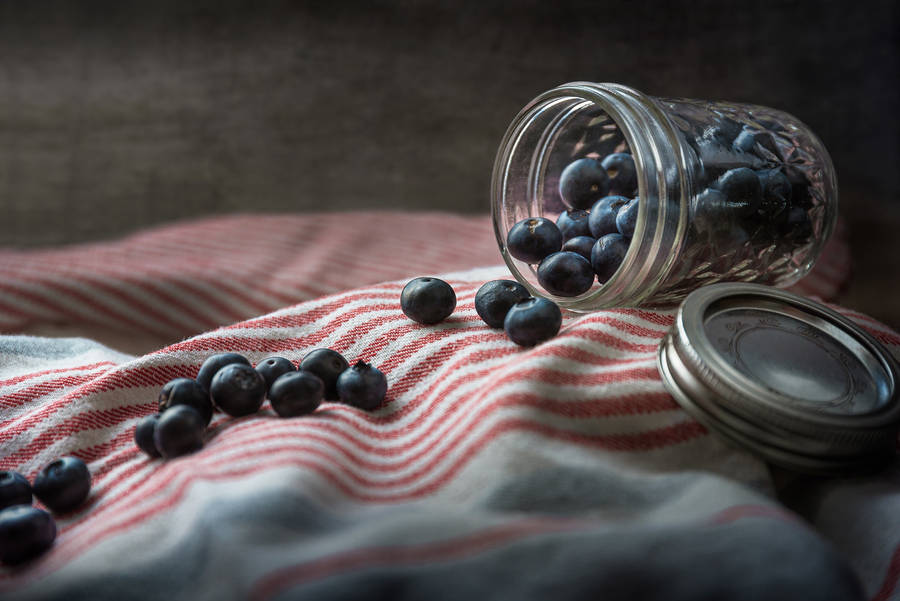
x: 25, y: 533
x: 184, y: 391
x: 328, y: 365
x: 362, y: 386
x: 271, y: 368
x: 533, y: 321
x: 237, y: 389
x: 63, y: 485
x: 143, y: 435
x: 179, y: 431
x: 427, y: 300
x: 216, y: 362
x: 494, y: 299
x: 296, y: 393
x: 14, y: 489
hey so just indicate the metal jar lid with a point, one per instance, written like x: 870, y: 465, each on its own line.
x: 785, y: 377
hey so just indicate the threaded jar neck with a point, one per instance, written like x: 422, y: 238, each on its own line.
x: 522, y: 184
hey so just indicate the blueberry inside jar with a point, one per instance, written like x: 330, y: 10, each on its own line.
x: 674, y: 193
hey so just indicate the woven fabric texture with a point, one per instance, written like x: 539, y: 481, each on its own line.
x: 564, y: 471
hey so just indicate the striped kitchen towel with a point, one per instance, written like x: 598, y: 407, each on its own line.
x: 491, y: 472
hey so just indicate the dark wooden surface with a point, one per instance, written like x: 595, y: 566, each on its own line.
x: 119, y: 115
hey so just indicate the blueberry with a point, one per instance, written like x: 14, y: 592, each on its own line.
x: 14, y: 489
x: 742, y: 188
x: 63, y: 485
x: 428, y: 300
x: 572, y: 223
x: 296, y: 393
x: 493, y: 300
x: 626, y: 220
x: 143, y: 435
x: 238, y: 390
x: 362, y: 386
x: 581, y: 245
x: 328, y: 365
x: 759, y: 143
x: 25, y: 532
x: 607, y: 254
x: 724, y: 131
x: 216, y: 362
x: 622, y: 173
x: 179, y: 431
x: 273, y: 368
x: 534, y: 238
x: 797, y: 226
x: 776, y: 193
x: 566, y: 274
x: 603, y: 215
x: 532, y: 321
x: 710, y: 211
x: 582, y: 182
x: 184, y: 391
x: 745, y: 141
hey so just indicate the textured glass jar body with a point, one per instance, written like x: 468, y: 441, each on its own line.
x: 691, y: 229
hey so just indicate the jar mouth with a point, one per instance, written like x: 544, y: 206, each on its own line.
x: 525, y: 182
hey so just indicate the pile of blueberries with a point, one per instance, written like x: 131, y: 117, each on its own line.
x: 590, y: 239
x: 26, y: 531
x: 505, y: 304
x: 229, y: 382
x: 750, y: 192
x: 226, y: 381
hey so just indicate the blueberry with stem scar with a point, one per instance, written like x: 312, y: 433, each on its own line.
x: 602, y: 220
x: 428, y: 300
x: 271, y: 368
x: 532, y: 239
x: 622, y: 173
x: 362, y: 386
x: 63, y: 485
x: 582, y: 182
x: 238, y: 390
x: 533, y: 321
x: 572, y: 223
x: 626, y: 220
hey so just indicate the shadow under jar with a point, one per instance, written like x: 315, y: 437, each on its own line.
x: 698, y: 220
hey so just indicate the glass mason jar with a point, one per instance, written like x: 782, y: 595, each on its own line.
x: 694, y: 223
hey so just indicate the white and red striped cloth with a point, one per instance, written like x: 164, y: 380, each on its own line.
x: 564, y: 471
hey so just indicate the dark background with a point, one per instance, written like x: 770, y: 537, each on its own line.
x: 118, y: 115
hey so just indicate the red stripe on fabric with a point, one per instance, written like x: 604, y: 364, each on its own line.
x: 10, y: 400
x: 46, y: 372
x: 64, y: 550
x: 891, y: 577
